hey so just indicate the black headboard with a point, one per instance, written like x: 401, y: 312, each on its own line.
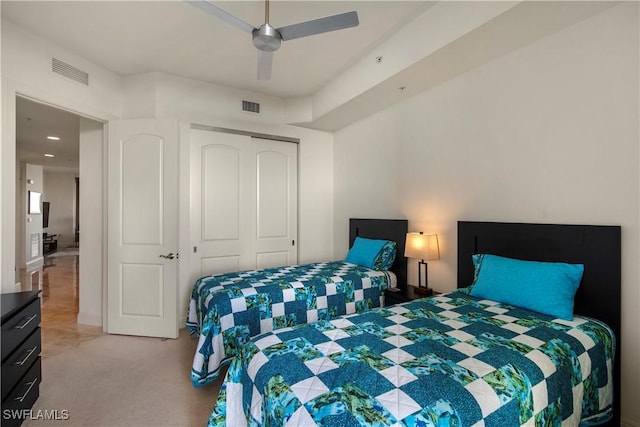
x: 387, y: 229
x: 597, y: 247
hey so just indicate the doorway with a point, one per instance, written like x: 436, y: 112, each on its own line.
x: 48, y: 139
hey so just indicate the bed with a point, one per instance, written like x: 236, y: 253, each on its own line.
x: 226, y: 310
x: 455, y: 358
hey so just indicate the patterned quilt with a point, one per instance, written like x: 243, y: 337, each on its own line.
x: 450, y: 360
x: 226, y: 310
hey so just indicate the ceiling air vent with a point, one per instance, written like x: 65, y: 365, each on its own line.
x: 252, y: 107
x: 69, y: 71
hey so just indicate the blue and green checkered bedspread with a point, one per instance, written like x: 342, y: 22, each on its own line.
x: 226, y: 310
x: 450, y: 360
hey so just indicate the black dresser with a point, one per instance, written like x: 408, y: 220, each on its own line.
x: 21, y: 346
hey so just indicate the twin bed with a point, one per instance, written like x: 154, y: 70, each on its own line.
x: 454, y: 359
x: 226, y: 310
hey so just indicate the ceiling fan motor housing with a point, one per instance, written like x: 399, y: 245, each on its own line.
x: 267, y: 38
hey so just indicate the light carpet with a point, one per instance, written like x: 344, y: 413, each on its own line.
x: 123, y: 381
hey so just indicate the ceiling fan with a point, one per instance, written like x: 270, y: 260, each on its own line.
x: 267, y: 39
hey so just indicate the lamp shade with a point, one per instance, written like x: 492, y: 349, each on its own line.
x: 422, y: 246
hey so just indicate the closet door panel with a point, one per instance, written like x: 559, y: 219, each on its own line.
x: 272, y: 188
x: 220, y: 202
x: 275, y: 222
x: 221, y: 192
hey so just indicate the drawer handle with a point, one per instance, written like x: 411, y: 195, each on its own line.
x: 24, y: 396
x: 29, y: 353
x: 27, y: 322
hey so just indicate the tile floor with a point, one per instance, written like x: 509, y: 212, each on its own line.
x: 60, y: 297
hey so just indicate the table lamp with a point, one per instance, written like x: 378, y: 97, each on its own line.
x: 425, y: 248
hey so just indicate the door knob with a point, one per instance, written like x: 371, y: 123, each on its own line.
x: 168, y: 256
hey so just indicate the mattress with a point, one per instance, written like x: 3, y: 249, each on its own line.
x: 226, y: 310
x: 452, y: 360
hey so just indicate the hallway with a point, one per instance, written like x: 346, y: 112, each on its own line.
x: 60, y: 298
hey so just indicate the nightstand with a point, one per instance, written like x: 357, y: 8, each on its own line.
x: 397, y: 297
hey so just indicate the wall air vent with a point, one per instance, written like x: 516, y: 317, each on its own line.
x: 252, y: 107
x: 69, y: 71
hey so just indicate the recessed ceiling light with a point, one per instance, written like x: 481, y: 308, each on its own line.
x: 49, y: 155
x: 53, y: 138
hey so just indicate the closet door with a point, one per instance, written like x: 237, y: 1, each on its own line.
x: 275, y: 194
x: 243, y: 203
x: 220, y: 202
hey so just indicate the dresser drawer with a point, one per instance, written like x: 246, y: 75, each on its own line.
x: 19, y: 327
x: 19, y: 362
x: 22, y: 398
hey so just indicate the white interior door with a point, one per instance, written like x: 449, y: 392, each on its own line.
x: 220, y: 202
x: 275, y: 192
x: 143, y: 227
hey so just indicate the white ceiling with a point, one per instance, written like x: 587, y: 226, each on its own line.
x: 135, y: 37
x: 34, y: 122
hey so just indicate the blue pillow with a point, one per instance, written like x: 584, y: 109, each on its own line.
x: 545, y: 287
x: 371, y: 253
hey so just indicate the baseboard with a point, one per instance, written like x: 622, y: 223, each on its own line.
x: 181, y: 320
x: 629, y: 423
x: 89, y: 319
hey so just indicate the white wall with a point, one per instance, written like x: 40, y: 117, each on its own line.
x: 21, y: 212
x: 3, y: 241
x: 32, y: 222
x: 59, y: 191
x: 548, y: 133
x: 91, y: 219
x: 26, y: 64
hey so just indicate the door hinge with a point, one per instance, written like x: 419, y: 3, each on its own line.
x: 195, y: 249
x: 293, y: 243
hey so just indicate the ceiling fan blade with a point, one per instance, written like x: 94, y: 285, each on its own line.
x: 265, y: 62
x: 214, y: 10
x: 321, y: 25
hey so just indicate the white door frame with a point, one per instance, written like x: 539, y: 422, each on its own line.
x: 10, y: 91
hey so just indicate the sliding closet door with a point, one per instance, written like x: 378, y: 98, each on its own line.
x: 274, y: 220
x: 220, y: 202
x: 243, y: 203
